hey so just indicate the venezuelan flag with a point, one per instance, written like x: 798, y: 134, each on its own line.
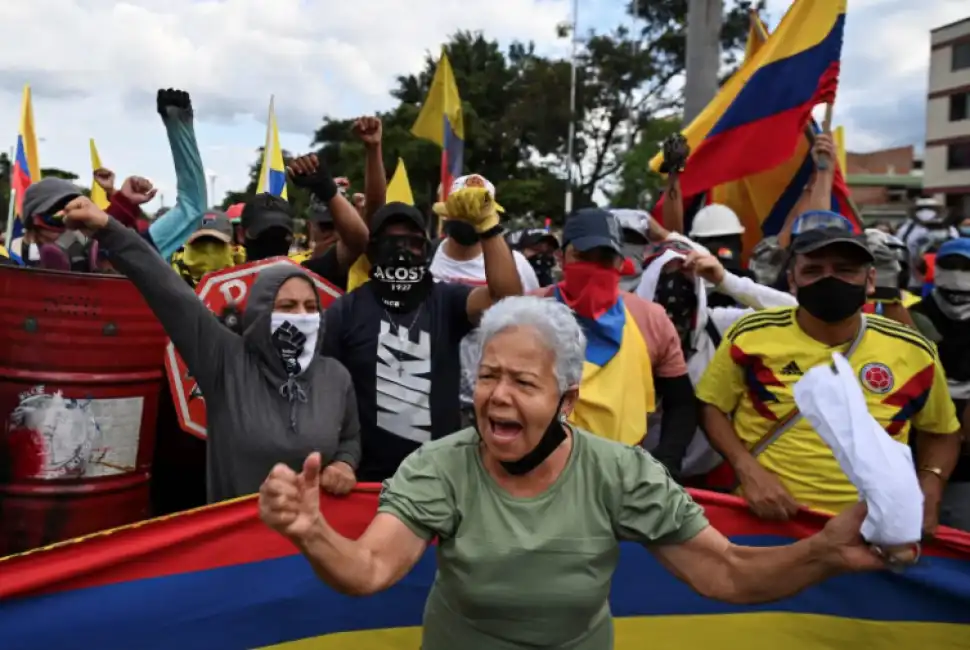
x: 216, y: 578
x: 749, y: 148
x: 441, y: 121
x: 98, y: 195
x: 272, y: 173
x: 26, y: 163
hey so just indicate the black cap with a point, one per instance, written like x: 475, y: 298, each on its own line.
x: 819, y: 238
x: 397, y: 211
x: 265, y: 211
x: 529, y: 237
x: 591, y: 228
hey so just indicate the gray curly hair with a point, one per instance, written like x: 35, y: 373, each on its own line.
x: 555, y: 324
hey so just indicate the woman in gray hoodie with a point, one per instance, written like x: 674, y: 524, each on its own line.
x: 270, y: 396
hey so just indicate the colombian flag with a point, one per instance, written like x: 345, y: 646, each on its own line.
x: 272, y: 173
x: 98, y: 195
x: 216, y: 578
x: 441, y: 121
x: 26, y: 164
x: 749, y: 148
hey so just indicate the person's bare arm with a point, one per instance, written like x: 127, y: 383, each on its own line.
x: 370, y: 131
x: 716, y: 568
x: 351, y: 230
x: 673, y: 207
x: 501, y: 277
x: 384, y: 554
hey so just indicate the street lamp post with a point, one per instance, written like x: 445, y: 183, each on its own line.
x: 570, y: 144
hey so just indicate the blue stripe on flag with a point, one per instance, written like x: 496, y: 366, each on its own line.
x: 277, y: 181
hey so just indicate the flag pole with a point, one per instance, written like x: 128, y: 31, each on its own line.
x: 8, y: 232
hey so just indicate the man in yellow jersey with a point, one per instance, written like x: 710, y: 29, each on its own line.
x: 747, y: 389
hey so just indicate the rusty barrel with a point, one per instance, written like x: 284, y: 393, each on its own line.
x: 80, y: 375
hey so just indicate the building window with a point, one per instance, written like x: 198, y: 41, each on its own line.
x: 961, y: 55
x: 960, y: 107
x: 958, y: 156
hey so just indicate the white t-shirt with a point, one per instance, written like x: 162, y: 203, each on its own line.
x: 472, y: 272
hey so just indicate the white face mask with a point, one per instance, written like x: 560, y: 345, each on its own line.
x: 295, y: 338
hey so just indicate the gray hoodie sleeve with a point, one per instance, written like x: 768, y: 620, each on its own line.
x: 197, y: 334
x: 348, y: 449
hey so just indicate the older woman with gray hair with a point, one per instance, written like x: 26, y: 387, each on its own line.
x: 529, y: 511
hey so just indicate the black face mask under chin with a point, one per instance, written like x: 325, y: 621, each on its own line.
x: 830, y: 299
x: 463, y: 233
x: 267, y: 246
x: 401, y: 277
x: 554, y: 436
x: 543, y: 265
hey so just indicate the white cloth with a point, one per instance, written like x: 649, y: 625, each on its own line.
x: 878, y: 466
x: 701, y: 457
x: 445, y: 268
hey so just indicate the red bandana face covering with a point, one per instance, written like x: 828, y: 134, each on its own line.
x: 589, y: 289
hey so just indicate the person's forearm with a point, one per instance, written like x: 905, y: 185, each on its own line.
x: 124, y: 211
x: 937, y: 451
x: 760, y: 575
x: 679, y: 421
x: 375, y: 181
x: 343, y: 564
x: 170, y: 231
x: 720, y: 433
x: 350, y: 227
x: 501, y: 274
x: 673, y: 207
x: 751, y: 294
x: 820, y: 197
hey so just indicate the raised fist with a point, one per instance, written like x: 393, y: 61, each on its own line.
x: 310, y: 172
x: 105, y: 178
x: 138, y: 190
x: 675, y: 153
x: 174, y: 103
x: 369, y: 129
x: 83, y: 213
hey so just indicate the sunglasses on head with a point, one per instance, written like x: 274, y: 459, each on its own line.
x: 818, y: 219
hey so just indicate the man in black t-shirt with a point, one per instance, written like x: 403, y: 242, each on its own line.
x: 324, y: 252
x: 331, y: 210
x: 399, y: 334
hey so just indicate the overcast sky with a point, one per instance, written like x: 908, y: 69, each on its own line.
x: 95, y: 65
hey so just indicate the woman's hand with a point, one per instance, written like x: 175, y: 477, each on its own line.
x: 338, y: 478
x: 289, y: 503
x: 83, y: 213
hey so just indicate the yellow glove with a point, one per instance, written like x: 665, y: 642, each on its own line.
x: 473, y: 205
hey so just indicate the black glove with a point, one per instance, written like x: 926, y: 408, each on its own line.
x: 310, y: 172
x: 675, y: 152
x: 174, y: 103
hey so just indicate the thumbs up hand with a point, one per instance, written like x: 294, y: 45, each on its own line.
x: 289, y: 503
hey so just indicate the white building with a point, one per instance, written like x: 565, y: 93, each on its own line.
x: 947, y: 159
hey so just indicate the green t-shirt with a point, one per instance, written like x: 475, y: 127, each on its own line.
x: 532, y: 572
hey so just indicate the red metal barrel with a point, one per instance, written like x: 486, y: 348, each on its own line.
x: 80, y: 375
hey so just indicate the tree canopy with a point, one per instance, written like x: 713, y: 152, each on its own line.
x: 516, y: 114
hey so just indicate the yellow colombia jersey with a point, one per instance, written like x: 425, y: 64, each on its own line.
x: 764, y: 354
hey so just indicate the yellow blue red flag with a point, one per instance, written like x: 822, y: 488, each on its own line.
x: 26, y: 162
x: 442, y: 121
x: 754, y: 129
x: 272, y: 173
x: 217, y: 578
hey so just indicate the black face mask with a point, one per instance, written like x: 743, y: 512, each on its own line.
x: 830, y: 299
x: 463, y: 233
x: 401, y: 278
x: 677, y: 294
x: 554, y: 436
x: 266, y: 246
x: 543, y: 264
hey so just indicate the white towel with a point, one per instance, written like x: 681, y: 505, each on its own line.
x: 878, y: 466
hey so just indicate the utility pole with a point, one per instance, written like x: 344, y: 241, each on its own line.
x: 570, y: 145
x: 704, y: 19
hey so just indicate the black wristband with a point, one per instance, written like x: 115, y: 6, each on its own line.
x: 325, y: 189
x: 494, y: 231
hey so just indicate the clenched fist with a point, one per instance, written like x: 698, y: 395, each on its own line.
x: 83, y: 213
x: 310, y: 172
x: 174, y: 103
x: 369, y: 129
x: 289, y: 503
x: 138, y: 190
x: 105, y: 178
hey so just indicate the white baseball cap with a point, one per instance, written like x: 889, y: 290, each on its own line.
x: 463, y: 182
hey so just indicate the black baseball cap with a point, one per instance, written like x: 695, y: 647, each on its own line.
x: 591, y: 228
x: 819, y: 238
x: 265, y: 211
x: 531, y: 237
x: 395, y: 211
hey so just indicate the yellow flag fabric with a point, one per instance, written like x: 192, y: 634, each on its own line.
x: 606, y: 409
x: 838, y: 134
x: 398, y: 189
x: 98, y: 195
x: 272, y: 173
x: 443, y: 102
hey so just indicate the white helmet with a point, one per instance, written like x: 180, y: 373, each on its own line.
x: 715, y: 220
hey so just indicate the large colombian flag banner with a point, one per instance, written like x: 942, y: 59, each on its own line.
x: 216, y: 578
x: 749, y: 149
x: 442, y: 121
